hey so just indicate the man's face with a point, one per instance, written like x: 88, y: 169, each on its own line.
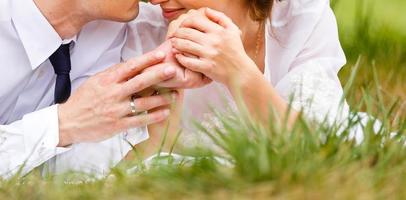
x: 114, y: 10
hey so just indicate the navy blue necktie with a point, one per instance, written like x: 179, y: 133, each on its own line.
x: 60, y: 60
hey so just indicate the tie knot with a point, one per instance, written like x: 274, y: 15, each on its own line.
x: 60, y: 60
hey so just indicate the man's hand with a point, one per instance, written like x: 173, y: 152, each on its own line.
x: 184, y: 78
x: 100, y: 108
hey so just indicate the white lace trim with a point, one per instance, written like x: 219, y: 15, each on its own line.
x: 310, y: 89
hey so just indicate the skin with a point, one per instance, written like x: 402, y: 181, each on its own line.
x: 219, y: 45
x: 100, y: 108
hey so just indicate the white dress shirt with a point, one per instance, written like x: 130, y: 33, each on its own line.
x: 303, y: 58
x: 28, y: 120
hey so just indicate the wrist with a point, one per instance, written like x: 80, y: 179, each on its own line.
x: 65, y: 133
x: 244, y: 78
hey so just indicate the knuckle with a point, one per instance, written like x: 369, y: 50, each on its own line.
x: 210, y: 67
x: 189, y: 20
x: 139, y: 84
x: 110, y: 113
x: 187, y: 62
x: 162, y: 75
x: 124, y: 90
x: 131, y: 64
x: 216, y: 41
x: 212, y: 53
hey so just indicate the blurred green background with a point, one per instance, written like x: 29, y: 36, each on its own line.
x: 375, y: 32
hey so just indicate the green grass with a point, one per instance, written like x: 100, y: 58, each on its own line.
x: 311, y: 161
x: 375, y: 31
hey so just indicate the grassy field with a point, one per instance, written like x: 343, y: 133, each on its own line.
x: 311, y: 161
x: 375, y: 32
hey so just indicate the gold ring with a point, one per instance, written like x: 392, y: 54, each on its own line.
x: 132, y: 105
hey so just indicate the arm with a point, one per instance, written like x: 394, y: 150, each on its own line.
x: 29, y: 142
x: 220, y: 55
x: 98, y: 110
x: 311, y: 80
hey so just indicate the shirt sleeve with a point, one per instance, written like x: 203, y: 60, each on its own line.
x: 97, y: 159
x: 312, y: 84
x: 29, y: 142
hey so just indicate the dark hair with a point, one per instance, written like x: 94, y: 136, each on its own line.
x: 260, y: 10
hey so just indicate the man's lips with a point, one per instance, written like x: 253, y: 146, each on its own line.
x: 169, y: 13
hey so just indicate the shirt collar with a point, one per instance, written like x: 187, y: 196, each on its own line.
x: 39, y: 38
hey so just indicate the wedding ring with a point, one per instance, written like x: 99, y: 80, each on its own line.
x: 132, y: 105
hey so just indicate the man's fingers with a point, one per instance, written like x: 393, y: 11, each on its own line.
x: 142, y: 104
x: 188, y: 47
x: 145, y: 119
x: 136, y: 65
x: 152, y: 102
x: 148, y: 79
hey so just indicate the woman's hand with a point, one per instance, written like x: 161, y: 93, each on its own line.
x: 184, y: 78
x: 211, y: 44
x: 176, y: 24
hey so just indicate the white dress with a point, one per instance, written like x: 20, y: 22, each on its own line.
x: 303, y: 58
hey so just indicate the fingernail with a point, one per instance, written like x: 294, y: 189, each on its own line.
x: 159, y: 54
x: 169, y: 71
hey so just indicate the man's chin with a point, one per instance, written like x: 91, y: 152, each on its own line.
x: 130, y: 15
x: 125, y: 18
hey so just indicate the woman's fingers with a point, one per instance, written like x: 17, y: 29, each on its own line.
x: 175, y: 25
x: 188, y: 47
x: 191, y: 75
x: 194, y: 64
x: 190, y: 34
x: 148, y: 79
x: 202, y: 23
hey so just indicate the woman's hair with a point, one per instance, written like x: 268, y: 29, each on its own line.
x: 260, y: 10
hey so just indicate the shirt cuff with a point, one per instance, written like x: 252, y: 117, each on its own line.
x: 41, y: 134
x: 136, y: 135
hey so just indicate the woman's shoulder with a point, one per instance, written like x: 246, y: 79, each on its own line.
x: 286, y: 11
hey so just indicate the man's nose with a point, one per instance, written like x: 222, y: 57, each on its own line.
x: 155, y: 2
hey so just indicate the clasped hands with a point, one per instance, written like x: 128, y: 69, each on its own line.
x: 100, y: 108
